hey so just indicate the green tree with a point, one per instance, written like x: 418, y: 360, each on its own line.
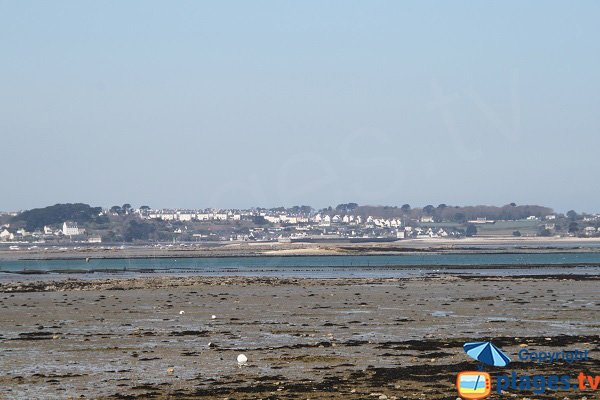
x: 405, y: 208
x: 346, y: 208
x: 116, y: 210
x: 460, y: 217
x: 259, y: 220
x: 471, y: 230
x: 545, y: 232
x: 126, y: 208
x: 138, y: 231
x: 428, y: 209
x: 37, y: 218
x: 573, y: 227
x: 572, y: 215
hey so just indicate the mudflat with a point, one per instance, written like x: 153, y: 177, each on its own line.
x: 156, y: 338
x: 242, y: 249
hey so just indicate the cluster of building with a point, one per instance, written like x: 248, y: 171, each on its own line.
x: 69, y: 229
x: 273, y: 218
x: 283, y: 225
x: 190, y: 215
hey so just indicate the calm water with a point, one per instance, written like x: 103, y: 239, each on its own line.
x: 321, y: 266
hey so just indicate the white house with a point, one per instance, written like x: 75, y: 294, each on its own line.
x: 288, y: 220
x: 6, y: 235
x: 186, y: 216
x: 272, y: 219
x: 95, y: 239
x: 71, y: 229
x: 23, y: 232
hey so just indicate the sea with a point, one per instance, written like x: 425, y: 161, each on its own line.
x: 343, y: 266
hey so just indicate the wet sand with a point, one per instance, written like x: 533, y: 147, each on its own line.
x: 304, y: 338
x: 243, y: 249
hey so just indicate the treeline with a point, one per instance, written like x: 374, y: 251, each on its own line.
x: 289, y: 210
x: 37, y: 218
x: 444, y: 212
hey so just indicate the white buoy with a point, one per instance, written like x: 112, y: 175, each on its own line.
x: 242, y: 359
x: 213, y: 316
x: 181, y: 312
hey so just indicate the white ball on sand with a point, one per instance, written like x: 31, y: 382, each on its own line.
x: 242, y: 359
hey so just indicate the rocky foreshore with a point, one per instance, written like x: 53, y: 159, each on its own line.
x: 179, y: 337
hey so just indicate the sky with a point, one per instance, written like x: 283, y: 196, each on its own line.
x: 278, y: 103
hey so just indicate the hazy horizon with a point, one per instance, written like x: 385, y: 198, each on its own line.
x: 241, y: 104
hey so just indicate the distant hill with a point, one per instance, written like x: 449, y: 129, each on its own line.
x: 37, y: 218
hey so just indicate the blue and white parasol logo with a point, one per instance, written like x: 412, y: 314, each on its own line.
x: 487, y: 353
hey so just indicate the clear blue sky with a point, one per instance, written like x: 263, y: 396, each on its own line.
x: 268, y: 103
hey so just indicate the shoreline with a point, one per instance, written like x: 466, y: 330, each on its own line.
x: 258, y: 269
x: 489, y: 245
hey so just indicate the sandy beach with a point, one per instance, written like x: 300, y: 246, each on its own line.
x: 155, y: 338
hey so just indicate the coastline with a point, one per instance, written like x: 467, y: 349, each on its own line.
x: 275, y: 249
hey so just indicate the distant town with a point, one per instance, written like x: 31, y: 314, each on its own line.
x: 350, y: 222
